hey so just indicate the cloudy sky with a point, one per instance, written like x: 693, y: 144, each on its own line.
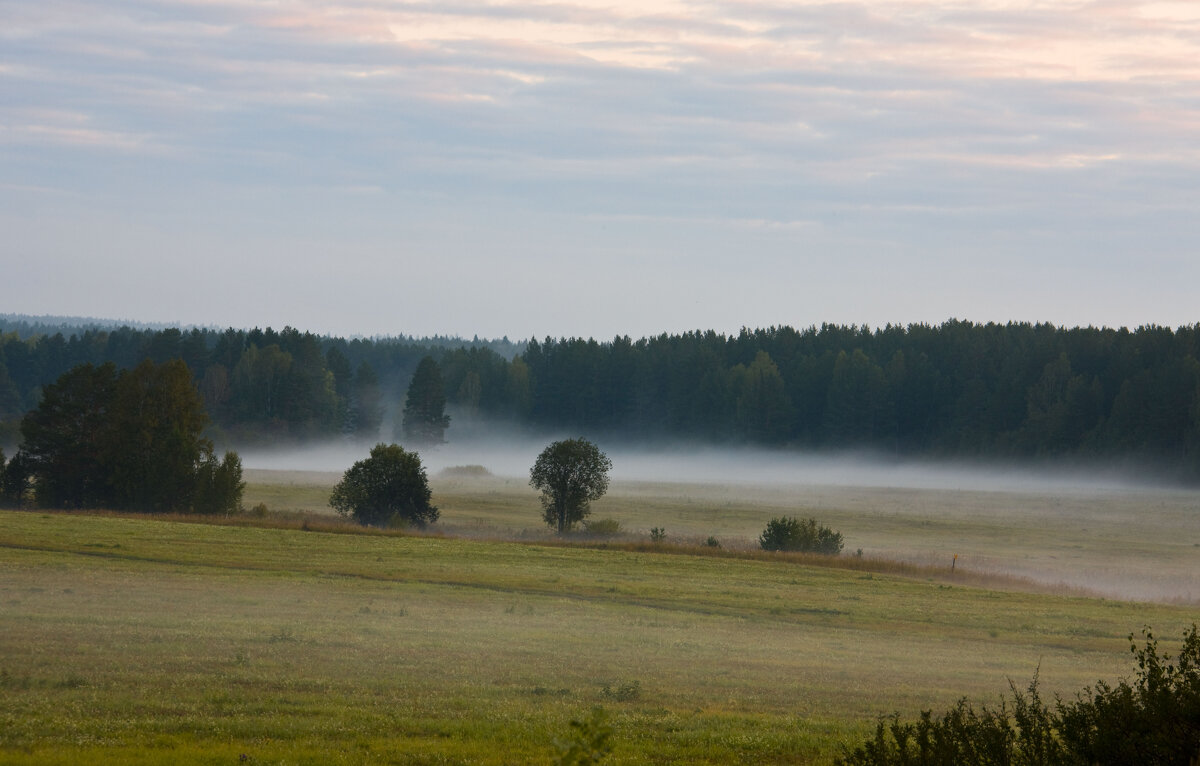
x: 600, y: 167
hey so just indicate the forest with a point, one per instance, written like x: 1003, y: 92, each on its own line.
x: 1014, y: 390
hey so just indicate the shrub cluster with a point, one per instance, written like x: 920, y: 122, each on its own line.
x: 1156, y: 720
x: 602, y: 527
x: 788, y: 534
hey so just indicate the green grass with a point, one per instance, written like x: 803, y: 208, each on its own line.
x: 1136, y: 544
x: 142, y: 640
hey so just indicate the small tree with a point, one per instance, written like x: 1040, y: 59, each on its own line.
x: 389, y: 487
x: 788, y: 534
x: 219, y: 484
x: 569, y: 474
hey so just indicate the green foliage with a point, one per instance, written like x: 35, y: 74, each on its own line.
x: 602, y: 527
x: 152, y: 443
x: 1012, y: 390
x: 712, y: 542
x: 857, y: 410
x: 66, y: 438
x: 569, y: 474
x: 764, y: 411
x: 425, y: 419
x: 367, y: 402
x: 129, y: 440
x: 219, y: 484
x: 1154, y: 721
x: 785, y: 533
x: 590, y: 741
x: 388, y: 488
x: 16, y: 482
x: 985, y: 389
x: 657, y: 534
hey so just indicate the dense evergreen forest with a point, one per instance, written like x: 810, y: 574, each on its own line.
x: 959, y: 388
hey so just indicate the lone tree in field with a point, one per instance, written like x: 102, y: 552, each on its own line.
x: 388, y: 488
x: 570, y: 474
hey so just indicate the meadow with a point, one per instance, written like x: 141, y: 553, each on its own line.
x: 1138, y: 543
x: 290, y: 639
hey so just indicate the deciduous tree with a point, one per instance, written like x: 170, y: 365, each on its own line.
x: 569, y: 474
x: 65, y: 438
x: 388, y: 488
x: 153, y: 437
x: 129, y: 440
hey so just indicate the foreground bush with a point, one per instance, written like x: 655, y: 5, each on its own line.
x: 1155, y: 721
x: 788, y: 534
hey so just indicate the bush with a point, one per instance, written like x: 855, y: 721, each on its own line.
x: 388, y: 488
x: 1154, y: 721
x: 602, y: 527
x: 712, y: 542
x: 788, y: 534
x: 590, y: 741
x: 658, y: 534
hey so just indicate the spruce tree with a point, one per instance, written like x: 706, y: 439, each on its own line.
x: 425, y: 418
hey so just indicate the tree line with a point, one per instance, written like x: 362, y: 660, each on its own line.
x: 954, y: 389
x: 263, y: 384
x: 958, y: 388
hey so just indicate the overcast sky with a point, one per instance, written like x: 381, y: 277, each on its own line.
x: 600, y: 167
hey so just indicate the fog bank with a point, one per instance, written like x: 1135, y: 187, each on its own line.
x: 512, y: 455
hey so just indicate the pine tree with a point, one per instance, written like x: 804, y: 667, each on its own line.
x: 425, y: 418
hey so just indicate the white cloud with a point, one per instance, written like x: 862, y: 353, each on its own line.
x: 497, y: 135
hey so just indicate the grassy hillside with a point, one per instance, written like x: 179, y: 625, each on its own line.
x: 152, y: 641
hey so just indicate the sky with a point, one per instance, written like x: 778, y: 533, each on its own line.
x: 600, y: 167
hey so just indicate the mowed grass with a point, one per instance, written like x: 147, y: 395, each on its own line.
x: 1139, y: 544
x: 139, y: 640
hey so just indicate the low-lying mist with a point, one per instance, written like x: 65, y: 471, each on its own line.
x: 1118, y: 531
x: 512, y: 454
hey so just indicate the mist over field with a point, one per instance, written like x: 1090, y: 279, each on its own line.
x: 1109, y: 530
x: 510, y: 453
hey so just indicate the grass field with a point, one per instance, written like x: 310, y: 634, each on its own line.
x: 1135, y: 544
x: 142, y: 640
